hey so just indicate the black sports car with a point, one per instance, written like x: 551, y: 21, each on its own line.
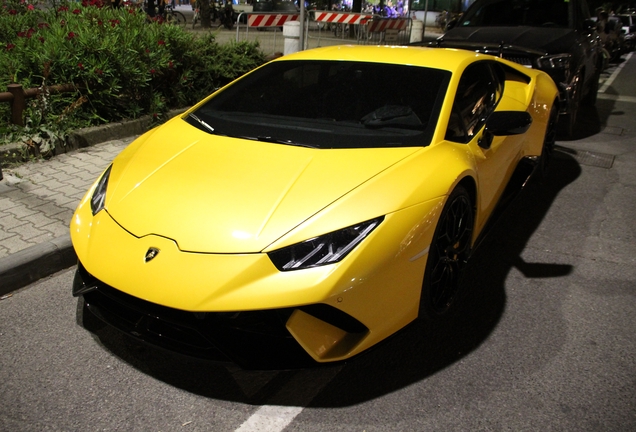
x: 556, y: 36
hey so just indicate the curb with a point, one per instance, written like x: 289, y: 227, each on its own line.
x: 41, y: 260
x: 33, y: 263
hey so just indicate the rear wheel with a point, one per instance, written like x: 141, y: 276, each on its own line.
x: 448, y: 255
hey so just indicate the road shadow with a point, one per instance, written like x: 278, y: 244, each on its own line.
x: 412, y: 355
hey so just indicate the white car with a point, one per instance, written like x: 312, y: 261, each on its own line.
x: 629, y: 30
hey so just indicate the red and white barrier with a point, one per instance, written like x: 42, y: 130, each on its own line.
x: 342, y: 17
x: 270, y: 20
x: 383, y: 24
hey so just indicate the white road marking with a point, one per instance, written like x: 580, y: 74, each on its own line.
x: 618, y: 98
x: 612, y: 77
x: 289, y: 401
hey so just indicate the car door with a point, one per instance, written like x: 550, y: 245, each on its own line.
x: 479, y: 91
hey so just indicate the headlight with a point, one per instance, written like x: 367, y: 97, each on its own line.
x: 99, y: 195
x: 326, y: 249
x: 559, y: 61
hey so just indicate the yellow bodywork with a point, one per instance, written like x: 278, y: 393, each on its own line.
x: 214, y: 210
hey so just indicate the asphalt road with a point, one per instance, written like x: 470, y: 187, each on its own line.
x: 544, y: 339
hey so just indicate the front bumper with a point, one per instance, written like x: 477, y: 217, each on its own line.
x: 251, y: 339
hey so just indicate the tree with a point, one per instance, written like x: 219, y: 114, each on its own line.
x: 204, y: 11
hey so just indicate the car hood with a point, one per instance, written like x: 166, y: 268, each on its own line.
x: 218, y: 194
x: 534, y: 40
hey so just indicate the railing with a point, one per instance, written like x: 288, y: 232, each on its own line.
x: 17, y: 97
x: 263, y: 20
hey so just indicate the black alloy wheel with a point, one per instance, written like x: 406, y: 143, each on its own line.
x: 448, y: 255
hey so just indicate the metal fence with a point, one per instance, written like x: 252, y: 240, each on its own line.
x: 326, y: 28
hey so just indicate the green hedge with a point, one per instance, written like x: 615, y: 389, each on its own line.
x: 123, y: 64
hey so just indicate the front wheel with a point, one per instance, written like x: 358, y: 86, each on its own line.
x: 176, y: 18
x: 448, y: 255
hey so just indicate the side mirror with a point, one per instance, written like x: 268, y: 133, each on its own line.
x: 451, y: 24
x: 504, y: 123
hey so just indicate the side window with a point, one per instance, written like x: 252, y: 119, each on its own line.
x: 478, y: 93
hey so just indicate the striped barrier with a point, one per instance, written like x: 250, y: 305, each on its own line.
x: 342, y: 17
x: 383, y: 24
x: 269, y: 20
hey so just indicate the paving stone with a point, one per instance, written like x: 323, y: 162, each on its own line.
x: 6, y: 203
x: 49, y: 209
x: 66, y: 201
x: 89, y: 176
x: 15, y: 244
x: 39, y: 220
x: 10, y: 221
x: 53, y: 184
x: 69, y: 190
x: 20, y: 211
x: 5, y: 234
x: 46, y: 170
x: 62, y: 176
x: 35, y: 177
x: 69, y: 169
x: 64, y: 216
x: 47, y: 236
x: 57, y: 229
x: 27, y: 232
x: 15, y: 194
x: 81, y: 184
x: 40, y: 193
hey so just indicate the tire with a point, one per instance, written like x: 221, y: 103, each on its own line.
x: 592, y: 94
x: 176, y: 18
x: 447, y: 256
x: 180, y: 19
x: 567, y: 122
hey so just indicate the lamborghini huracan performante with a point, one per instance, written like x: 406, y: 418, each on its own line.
x: 313, y: 207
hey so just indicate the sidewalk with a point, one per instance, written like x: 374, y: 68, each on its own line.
x: 37, y: 201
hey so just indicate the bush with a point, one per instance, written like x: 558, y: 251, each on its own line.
x: 123, y: 64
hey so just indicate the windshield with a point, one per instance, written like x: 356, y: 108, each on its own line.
x: 329, y: 104
x: 510, y: 13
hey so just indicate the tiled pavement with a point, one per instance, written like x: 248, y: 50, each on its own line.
x: 37, y: 201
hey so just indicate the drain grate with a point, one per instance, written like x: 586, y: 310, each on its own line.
x: 588, y: 158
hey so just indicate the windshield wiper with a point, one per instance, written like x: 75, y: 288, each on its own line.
x: 202, y: 123
x: 274, y: 140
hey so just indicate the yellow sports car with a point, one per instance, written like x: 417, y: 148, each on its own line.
x: 313, y: 207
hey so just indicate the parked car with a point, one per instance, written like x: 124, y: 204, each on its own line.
x: 629, y: 30
x: 556, y: 36
x: 610, y: 30
x: 274, y: 6
x: 294, y: 217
